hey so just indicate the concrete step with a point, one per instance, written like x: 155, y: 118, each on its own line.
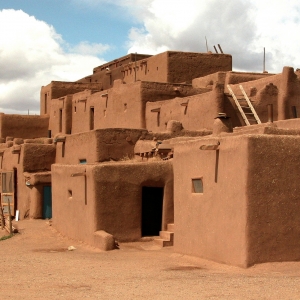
x: 170, y: 227
x: 167, y: 235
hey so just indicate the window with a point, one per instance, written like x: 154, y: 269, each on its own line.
x: 82, y: 161
x: 197, y: 185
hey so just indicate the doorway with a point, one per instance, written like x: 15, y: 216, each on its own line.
x: 47, y: 202
x: 152, y: 207
x: 92, y: 117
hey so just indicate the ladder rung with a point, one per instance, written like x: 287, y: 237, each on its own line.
x: 249, y: 114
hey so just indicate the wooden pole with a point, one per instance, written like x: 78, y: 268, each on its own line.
x: 9, y: 218
x: 2, y: 217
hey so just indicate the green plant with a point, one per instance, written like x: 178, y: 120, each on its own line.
x: 6, y: 237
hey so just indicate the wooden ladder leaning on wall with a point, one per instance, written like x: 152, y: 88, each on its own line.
x: 245, y: 107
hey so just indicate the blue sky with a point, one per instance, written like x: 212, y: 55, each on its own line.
x: 78, y: 21
x: 44, y: 40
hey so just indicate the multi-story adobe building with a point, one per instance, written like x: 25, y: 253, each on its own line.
x: 165, y: 145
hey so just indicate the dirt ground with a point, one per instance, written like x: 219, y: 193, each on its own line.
x: 35, y: 264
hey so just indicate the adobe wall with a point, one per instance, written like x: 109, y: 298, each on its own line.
x: 98, y: 145
x: 274, y: 202
x: 108, y: 198
x: 185, y: 66
x: 194, y: 112
x: 73, y: 202
x: 107, y: 73
x: 225, y: 78
x: 281, y: 90
x: 261, y: 92
x: 212, y: 224
x: 57, y: 89
x: 154, y: 68
x: 177, y: 67
x: 123, y: 106
x: 23, y: 126
x: 60, y: 115
x: 28, y: 158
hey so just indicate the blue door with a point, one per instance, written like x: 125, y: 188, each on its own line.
x: 47, y: 203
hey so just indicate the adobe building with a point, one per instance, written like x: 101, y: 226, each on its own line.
x: 175, y: 146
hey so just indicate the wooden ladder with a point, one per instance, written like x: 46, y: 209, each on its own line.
x: 245, y: 107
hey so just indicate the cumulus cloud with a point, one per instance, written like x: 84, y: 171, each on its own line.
x: 242, y: 27
x: 32, y: 54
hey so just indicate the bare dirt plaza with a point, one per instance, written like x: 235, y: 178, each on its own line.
x: 36, y: 264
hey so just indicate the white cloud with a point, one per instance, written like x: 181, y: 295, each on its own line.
x: 242, y: 27
x: 31, y: 55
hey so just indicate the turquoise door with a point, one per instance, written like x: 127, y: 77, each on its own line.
x: 47, y: 203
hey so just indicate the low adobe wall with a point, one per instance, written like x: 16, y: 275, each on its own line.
x: 98, y: 145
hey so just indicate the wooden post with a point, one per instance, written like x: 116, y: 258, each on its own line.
x: 9, y: 218
x: 2, y: 217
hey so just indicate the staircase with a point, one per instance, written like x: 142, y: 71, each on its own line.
x: 166, y: 238
x: 245, y: 107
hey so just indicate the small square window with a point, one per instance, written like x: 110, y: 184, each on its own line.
x: 82, y: 161
x: 197, y: 185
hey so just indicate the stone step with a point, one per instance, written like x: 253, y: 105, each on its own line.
x: 167, y: 235
x: 170, y: 227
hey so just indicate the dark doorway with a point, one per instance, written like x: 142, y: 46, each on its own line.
x: 60, y: 120
x: 152, y: 205
x: 92, y: 118
x: 47, y: 202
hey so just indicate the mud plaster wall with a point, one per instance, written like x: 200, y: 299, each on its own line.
x: 32, y: 157
x: 61, y: 115
x: 274, y: 201
x: 73, y: 202
x: 194, y: 112
x: 22, y: 126
x: 38, y: 157
x: 177, y: 67
x: 262, y: 92
x: 112, y: 201
x: 184, y: 67
x: 115, y: 70
x: 13, y: 162
x: 123, y: 106
x: 57, y: 89
x: 98, y: 145
x: 212, y: 225
x: 155, y: 69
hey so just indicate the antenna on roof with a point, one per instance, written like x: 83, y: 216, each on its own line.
x: 206, y: 44
x: 216, y: 49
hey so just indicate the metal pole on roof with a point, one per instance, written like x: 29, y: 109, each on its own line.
x: 206, y: 44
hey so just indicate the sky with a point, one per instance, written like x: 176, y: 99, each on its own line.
x: 45, y: 40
